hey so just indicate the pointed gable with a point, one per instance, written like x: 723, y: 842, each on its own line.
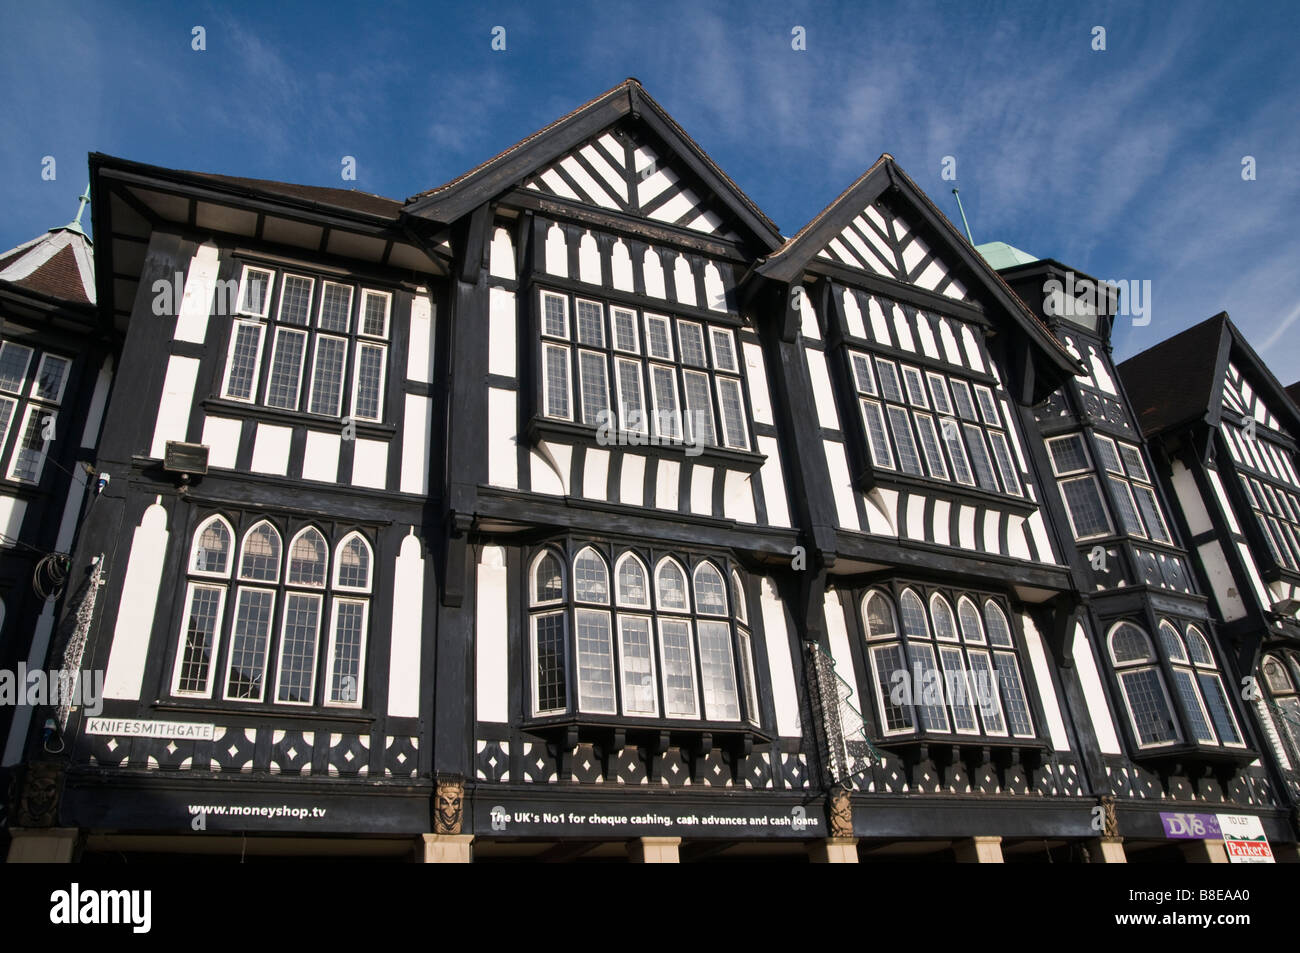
x: 882, y: 243
x: 1198, y: 373
x: 620, y: 152
x: 622, y: 171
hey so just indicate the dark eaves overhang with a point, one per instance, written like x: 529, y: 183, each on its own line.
x: 22, y: 302
x: 111, y: 177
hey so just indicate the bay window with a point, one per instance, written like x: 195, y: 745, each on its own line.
x: 651, y: 640
x: 945, y: 672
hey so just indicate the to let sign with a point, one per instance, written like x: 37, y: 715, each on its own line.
x: 1244, y: 839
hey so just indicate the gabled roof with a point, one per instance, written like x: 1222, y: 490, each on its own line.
x: 448, y: 202
x: 1180, y: 380
x: 1293, y: 391
x: 795, y: 255
x: 59, y: 264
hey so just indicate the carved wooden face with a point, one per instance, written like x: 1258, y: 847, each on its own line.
x: 449, y: 806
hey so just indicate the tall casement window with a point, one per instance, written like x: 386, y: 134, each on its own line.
x: 668, y: 639
x: 1272, y: 489
x: 1202, y: 714
x: 267, y: 623
x: 945, y: 664
x: 1124, y: 469
x: 1281, y: 678
x: 922, y: 423
x: 647, y: 373
x: 32, y: 383
x: 309, y: 344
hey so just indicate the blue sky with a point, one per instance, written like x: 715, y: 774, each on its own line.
x: 1125, y: 164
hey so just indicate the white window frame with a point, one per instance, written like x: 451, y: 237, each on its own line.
x: 320, y: 307
x: 670, y: 357
x: 178, y: 663
x: 315, y: 358
x: 615, y: 309
x: 336, y: 570
x: 743, y: 444
x: 243, y: 284
x: 302, y: 365
x: 623, y: 669
x: 693, y: 666
x: 356, y: 379
x: 715, y: 333
x: 43, y: 453
x: 564, y: 300
x: 230, y: 360
x: 636, y: 364
x: 577, y: 324
x: 311, y: 296
x: 333, y: 645
x: 677, y: 418
x: 319, y: 596
x: 585, y: 705
x: 582, y: 386
x: 704, y: 345
x: 534, y: 618
x: 387, y: 297
x: 194, y: 547
x: 27, y: 364
x: 266, y: 649
x: 63, y: 384
x: 546, y: 382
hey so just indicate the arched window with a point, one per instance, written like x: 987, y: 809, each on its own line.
x: 941, y: 677
x: 590, y: 577
x: 250, y: 637
x: 279, y: 618
x: 972, y: 631
x: 1212, y: 689
x: 710, y: 593
x: 672, y: 662
x: 913, y: 613
x: 548, y: 578
x: 595, y: 637
x: 738, y: 596
x: 670, y: 586
x: 745, y: 641
x: 308, y: 559
x: 636, y: 639
x: 945, y: 625
x: 212, y: 547
x: 1143, y: 687
x: 260, y: 559
x: 352, y: 563
x: 549, y: 635
x: 1285, y: 710
x: 1189, y: 696
x: 633, y: 583
x: 996, y: 621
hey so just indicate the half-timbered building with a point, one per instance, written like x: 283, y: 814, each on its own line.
x: 56, y: 365
x: 1226, y: 433
x: 1145, y: 659
x: 570, y: 511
